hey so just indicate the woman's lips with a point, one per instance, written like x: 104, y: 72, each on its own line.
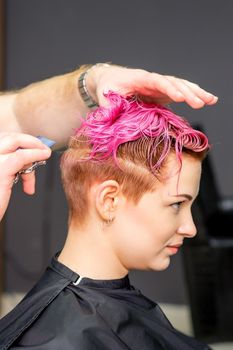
x: 174, y: 248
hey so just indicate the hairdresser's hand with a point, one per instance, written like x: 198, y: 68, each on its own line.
x: 18, y: 151
x: 152, y: 87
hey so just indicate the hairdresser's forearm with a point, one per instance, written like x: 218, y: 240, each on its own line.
x: 50, y: 108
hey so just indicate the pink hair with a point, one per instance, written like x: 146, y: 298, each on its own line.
x: 128, y: 142
x: 129, y: 119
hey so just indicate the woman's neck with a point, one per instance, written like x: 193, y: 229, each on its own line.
x: 89, y: 253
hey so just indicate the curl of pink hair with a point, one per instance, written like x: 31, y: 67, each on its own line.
x: 130, y: 119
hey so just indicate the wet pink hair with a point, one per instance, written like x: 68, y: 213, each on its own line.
x: 128, y: 141
x: 125, y: 120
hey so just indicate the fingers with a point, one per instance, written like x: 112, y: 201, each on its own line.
x: 17, y: 152
x: 165, y: 88
x: 29, y: 182
x: 162, y: 88
x: 10, y: 142
x: 23, y: 157
x: 204, y: 95
x: 192, y: 94
x: 152, y: 87
x: 28, y: 179
x: 13, y: 158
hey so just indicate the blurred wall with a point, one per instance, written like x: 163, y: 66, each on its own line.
x: 191, y: 39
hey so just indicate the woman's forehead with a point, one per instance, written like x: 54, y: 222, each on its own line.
x: 182, y: 177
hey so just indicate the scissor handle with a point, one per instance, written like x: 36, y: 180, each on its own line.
x: 28, y: 170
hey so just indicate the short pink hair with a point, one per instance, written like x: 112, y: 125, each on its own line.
x: 128, y: 141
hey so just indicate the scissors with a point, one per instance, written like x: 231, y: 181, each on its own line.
x: 28, y: 170
x: 34, y: 165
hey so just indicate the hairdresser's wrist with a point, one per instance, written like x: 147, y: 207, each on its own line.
x: 93, y: 79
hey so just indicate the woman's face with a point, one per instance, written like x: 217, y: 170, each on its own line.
x: 147, y: 234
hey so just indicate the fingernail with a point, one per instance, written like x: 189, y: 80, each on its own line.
x: 211, y: 95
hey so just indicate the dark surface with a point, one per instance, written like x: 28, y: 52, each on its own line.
x: 208, y: 262
x: 209, y: 275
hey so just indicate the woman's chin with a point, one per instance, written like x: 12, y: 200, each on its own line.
x: 160, y: 265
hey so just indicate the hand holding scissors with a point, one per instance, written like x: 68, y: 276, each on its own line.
x: 20, y: 155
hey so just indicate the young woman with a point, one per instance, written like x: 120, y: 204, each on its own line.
x: 130, y: 174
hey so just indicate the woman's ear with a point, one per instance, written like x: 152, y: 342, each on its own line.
x: 106, y: 199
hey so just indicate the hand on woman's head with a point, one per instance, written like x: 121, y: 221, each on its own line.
x: 152, y: 87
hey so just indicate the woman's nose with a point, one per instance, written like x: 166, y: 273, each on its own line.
x: 188, y: 228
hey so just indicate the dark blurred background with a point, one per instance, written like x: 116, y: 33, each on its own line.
x: 190, y: 39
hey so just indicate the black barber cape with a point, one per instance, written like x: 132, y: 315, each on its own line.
x: 59, y: 315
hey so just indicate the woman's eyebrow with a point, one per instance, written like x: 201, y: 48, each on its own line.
x: 187, y: 196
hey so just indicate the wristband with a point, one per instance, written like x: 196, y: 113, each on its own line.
x: 82, y: 87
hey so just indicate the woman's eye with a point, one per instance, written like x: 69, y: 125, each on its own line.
x: 176, y: 205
